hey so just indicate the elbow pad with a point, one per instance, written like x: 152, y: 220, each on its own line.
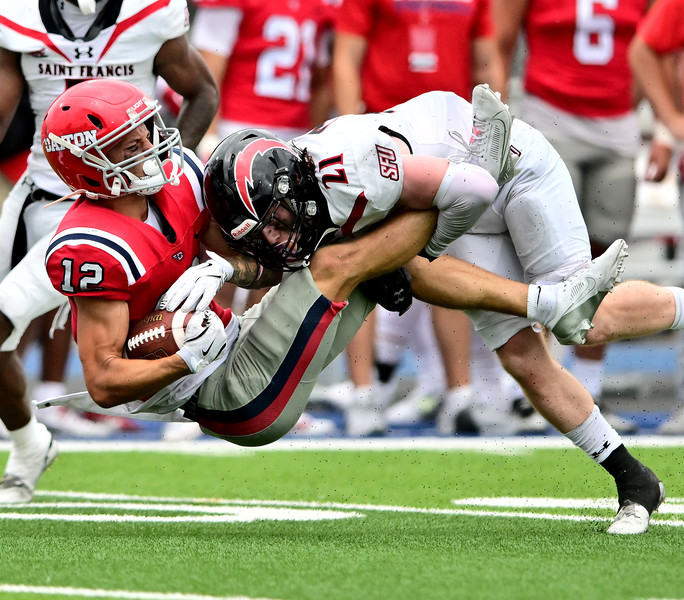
x: 464, y: 194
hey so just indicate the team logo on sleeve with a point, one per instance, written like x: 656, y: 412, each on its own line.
x: 244, y: 168
x: 387, y: 161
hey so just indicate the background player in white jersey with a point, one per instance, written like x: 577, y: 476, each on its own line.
x: 366, y: 165
x: 49, y: 45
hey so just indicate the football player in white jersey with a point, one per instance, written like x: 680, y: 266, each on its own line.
x: 49, y: 45
x: 364, y: 166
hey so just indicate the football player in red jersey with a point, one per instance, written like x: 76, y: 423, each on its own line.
x: 579, y: 92
x: 655, y: 57
x: 270, y: 60
x: 49, y: 45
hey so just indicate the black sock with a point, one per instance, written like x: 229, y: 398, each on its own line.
x: 635, y: 482
x: 620, y: 461
x: 385, y: 371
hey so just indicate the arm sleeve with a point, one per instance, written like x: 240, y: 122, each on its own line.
x: 465, y: 193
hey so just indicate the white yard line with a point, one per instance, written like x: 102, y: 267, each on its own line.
x: 513, y: 444
x: 71, y: 592
x: 208, y: 510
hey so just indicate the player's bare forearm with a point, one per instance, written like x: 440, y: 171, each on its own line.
x: 110, y: 379
x: 195, y: 117
x: 187, y: 74
x: 249, y: 274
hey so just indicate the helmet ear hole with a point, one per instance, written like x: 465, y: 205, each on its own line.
x: 95, y: 121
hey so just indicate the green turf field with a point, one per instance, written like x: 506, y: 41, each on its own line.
x: 509, y: 522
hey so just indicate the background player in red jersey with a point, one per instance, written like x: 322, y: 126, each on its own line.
x: 48, y: 46
x: 270, y: 60
x: 579, y: 92
x: 656, y: 58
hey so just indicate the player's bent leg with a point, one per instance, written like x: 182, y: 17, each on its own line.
x: 634, y: 309
x: 25, y: 293
x: 551, y: 389
x: 561, y: 399
x: 452, y: 283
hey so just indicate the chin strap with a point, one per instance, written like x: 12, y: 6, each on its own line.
x: 75, y: 193
x: 87, y: 6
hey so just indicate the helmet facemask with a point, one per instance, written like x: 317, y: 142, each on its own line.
x: 300, y: 217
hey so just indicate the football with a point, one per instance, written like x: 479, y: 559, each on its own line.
x: 159, y: 334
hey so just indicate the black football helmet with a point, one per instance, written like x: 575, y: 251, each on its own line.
x: 248, y: 177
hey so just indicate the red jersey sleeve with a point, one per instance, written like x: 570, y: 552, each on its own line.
x: 90, y: 269
x: 663, y: 26
x: 355, y: 17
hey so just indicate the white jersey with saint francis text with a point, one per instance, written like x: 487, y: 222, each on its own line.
x: 122, y: 42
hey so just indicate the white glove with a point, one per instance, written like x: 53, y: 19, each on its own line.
x: 205, y: 340
x: 198, y: 285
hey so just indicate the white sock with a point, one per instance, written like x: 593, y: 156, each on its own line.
x: 29, y: 443
x: 541, y: 303
x: 678, y: 294
x: 590, y: 374
x: 44, y: 390
x: 458, y: 398
x: 595, y: 437
x: 26, y: 437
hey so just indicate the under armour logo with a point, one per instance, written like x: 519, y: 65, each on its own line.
x: 178, y: 256
x: 88, y: 52
x: 598, y: 453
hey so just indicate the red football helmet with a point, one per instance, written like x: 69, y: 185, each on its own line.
x: 88, y: 119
